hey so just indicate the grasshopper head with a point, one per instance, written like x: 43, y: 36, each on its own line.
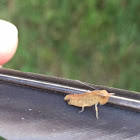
x: 104, y: 96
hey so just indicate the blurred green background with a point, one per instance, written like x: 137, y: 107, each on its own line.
x: 96, y: 41
x: 1, y: 138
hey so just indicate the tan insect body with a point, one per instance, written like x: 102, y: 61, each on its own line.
x: 89, y: 99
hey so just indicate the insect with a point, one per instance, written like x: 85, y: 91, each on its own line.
x: 89, y: 99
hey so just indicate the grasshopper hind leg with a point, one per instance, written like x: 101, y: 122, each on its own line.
x: 82, y: 109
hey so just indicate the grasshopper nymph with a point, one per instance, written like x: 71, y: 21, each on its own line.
x: 89, y: 99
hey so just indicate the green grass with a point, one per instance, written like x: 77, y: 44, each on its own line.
x: 92, y: 41
x: 1, y: 138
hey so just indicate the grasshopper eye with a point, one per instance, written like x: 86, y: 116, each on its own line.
x: 104, y: 94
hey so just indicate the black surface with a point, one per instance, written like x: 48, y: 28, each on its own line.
x: 29, y: 114
x: 31, y: 110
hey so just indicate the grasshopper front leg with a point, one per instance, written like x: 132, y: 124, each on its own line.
x: 96, y: 109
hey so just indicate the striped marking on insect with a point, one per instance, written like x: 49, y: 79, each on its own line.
x: 89, y: 99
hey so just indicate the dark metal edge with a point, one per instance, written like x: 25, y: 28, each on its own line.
x: 70, y: 83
